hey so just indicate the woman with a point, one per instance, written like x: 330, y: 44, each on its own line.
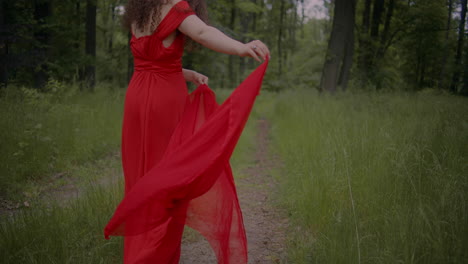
x: 176, y: 164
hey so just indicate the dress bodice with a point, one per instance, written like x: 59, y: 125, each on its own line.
x: 149, y: 52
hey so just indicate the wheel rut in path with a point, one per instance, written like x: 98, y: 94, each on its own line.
x: 265, y: 226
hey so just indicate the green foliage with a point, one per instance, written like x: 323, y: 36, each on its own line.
x: 375, y: 177
x: 304, y: 67
x: 45, y: 132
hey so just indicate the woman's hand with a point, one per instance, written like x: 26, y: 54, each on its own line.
x: 195, y: 77
x: 255, y: 49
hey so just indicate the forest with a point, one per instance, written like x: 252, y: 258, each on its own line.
x: 361, y: 126
x: 393, y: 45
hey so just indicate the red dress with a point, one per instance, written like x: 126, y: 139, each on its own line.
x: 175, y: 155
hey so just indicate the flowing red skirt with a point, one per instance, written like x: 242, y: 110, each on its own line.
x: 193, y: 183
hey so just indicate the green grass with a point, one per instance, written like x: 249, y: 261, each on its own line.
x: 72, y: 232
x: 46, y: 133
x: 374, y: 178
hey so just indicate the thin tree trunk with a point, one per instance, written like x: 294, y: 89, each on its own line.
x: 447, y: 47
x: 111, y: 33
x: 461, y: 36
x: 280, y: 38
x: 3, y: 48
x: 349, y: 47
x: 90, y: 47
x: 364, y: 41
x: 464, y: 90
x: 78, y: 43
x: 422, y: 75
x: 386, y: 30
x: 302, y: 19
x: 42, y: 10
x: 338, y: 59
x: 377, y: 17
x: 366, y: 17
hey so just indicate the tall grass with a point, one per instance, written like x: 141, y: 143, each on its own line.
x: 73, y: 232
x: 374, y: 178
x: 42, y: 133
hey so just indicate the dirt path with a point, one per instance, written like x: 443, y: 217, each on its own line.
x: 266, y: 229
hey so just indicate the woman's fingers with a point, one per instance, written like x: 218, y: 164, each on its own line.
x: 201, y: 79
x: 254, y: 55
x: 259, y: 49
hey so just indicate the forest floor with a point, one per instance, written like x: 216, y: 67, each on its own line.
x: 265, y: 225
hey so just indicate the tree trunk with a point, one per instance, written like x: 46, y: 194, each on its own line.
x: 339, y: 56
x: 78, y: 41
x: 458, y: 56
x: 42, y: 10
x: 447, y: 45
x: 364, y: 41
x: 90, y: 47
x: 111, y: 33
x: 280, y: 38
x: 302, y: 19
x: 348, y: 49
x: 464, y: 90
x: 3, y: 48
x: 366, y: 17
x: 377, y: 18
x: 386, y: 30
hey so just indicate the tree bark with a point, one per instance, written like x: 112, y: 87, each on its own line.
x: 458, y: 56
x: 339, y: 56
x: 110, y: 45
x: 366, y: 17
x: 464, y: 90
x: 447, y: 45
x: 364, y: 41
x: 3, y: 48
x: 377, y: 17
x: 90, y: 47
x: 280, y: 38
x: 386, y: 30
x: 42, y: 10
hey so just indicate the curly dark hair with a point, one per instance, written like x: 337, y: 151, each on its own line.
x: 141, y: 12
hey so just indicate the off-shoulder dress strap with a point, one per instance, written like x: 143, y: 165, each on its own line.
x: 174, y: 18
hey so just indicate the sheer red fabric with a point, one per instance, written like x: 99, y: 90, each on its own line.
x: 175, y: 154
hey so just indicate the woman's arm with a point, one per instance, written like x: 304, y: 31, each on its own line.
x: 214, y: 39
x: 195, y: 77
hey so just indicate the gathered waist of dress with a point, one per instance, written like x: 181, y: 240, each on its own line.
x: 157, y: 67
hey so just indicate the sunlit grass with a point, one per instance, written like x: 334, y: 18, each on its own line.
x: 401, y: 158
